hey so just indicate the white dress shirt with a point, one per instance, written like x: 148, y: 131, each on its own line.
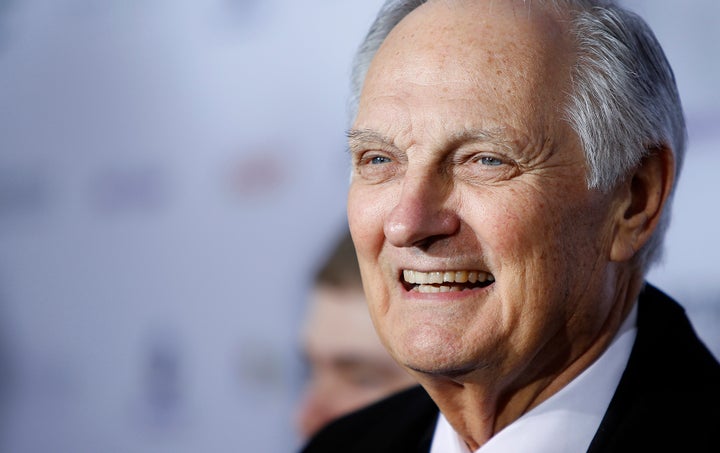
x: 565, y: 422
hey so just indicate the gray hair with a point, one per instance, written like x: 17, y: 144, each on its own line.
x: 624, y: 102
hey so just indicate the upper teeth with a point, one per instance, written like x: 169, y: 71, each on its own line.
x: 424, y: 278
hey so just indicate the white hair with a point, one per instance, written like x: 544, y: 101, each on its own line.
x: 623, y: 104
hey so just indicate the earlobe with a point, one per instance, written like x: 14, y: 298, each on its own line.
x: 642, y: 198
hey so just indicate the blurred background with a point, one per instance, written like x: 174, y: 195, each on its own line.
x: 171, y: 173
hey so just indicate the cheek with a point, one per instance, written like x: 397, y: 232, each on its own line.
x: 361, y: 231
x: 364, y: 219
x: 507, y: 222
x: 532, y: 232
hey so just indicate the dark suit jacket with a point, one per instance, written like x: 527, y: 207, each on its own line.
x: 668, y: 399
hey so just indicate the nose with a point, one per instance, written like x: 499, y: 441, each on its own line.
x: 422, y: 214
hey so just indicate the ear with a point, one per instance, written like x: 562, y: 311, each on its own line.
x: 640, y: 202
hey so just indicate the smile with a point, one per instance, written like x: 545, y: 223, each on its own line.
x: 445, y: 281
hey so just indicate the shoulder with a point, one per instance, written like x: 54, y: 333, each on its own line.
x: 668, y: 346
x: 402, y: 422
x: 669, y: 394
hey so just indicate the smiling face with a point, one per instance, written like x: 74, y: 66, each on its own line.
x: 480, y: 245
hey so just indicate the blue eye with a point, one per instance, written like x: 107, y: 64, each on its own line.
x: 491, y: 161
x: 379, y: 160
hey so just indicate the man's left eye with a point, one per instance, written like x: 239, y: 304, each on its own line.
x: 491, y: 161
x: 486, y: 167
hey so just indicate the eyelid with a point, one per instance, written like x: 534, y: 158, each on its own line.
x: 366, y: 153
x: 389, y: 166
x: 468, y: 166
x: 480, y: 157
x: 366, y: 157
x: 476, y: 156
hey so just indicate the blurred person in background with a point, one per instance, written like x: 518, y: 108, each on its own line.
x: 349, y: 368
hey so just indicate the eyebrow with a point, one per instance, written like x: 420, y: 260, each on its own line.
x: 494, y: 136
x: 365, y: 135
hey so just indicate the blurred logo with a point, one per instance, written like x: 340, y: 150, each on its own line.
x: 260, y: 173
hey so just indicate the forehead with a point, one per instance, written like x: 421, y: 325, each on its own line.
x: 505, y: 53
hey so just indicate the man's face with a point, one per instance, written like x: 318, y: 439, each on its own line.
x: 349, y: 368
x: 481, y: 247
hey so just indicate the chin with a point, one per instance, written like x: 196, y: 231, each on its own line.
x: 436, y: 356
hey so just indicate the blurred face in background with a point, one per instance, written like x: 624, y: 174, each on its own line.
x: 349, y: 368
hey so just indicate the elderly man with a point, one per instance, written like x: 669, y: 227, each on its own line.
x: 513, y: 165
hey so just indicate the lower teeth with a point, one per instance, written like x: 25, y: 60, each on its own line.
x: 447, y: 289
x: 438, y: 289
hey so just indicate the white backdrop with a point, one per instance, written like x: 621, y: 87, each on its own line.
x: 170, y: 173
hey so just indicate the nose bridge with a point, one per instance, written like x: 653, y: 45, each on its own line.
x: 427, y: 185
x: 422, y: 210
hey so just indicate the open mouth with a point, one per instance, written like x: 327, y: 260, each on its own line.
x: 445, y: 281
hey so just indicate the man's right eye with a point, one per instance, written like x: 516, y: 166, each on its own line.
x: 376, y: 166
x: 379, y: 160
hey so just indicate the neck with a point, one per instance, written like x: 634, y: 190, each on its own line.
x: 482, y: 402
